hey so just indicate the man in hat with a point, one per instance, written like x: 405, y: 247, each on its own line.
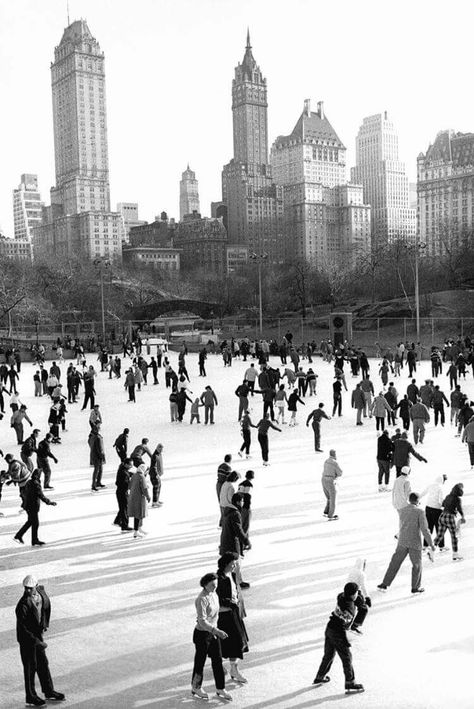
x: 33, y: 612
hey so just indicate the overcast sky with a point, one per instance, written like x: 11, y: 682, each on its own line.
x: 169, y: 69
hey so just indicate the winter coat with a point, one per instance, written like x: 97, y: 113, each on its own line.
x: 468, y: 434
x: 97, y: 449
x: 384, y: 448
x: 419, y: 411
x: 33, y: 495
x: 380, y: 406
x: 400, y: 492
x: 30, y: 628
x: 452, y: 502
x: 233, y: 537
x: 401, y: 452
x: 357, y: 575
x: 434, y: 493
x: 138, y: 496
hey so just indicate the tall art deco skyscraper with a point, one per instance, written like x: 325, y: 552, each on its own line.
x: 254, y: 203
x: 79, y: 218
x: 383, y: 176
x: 188, y: 193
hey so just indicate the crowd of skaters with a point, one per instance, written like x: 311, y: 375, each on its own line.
x: 143, y: 463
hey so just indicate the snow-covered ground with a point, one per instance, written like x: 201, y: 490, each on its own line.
x: 123, y: 611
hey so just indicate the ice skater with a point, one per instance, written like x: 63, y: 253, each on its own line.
x: 413, y: 526
x: 447, y: 520
x: 263, y: 425
x: 336, y: 640
x: 316, y: 416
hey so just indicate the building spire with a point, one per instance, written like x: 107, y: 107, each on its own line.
x: 248, y: 46
x: 68, y: 21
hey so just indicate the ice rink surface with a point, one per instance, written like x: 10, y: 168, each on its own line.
x: 123, y: 609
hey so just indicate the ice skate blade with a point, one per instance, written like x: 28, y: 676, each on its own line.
x: 354, y: 691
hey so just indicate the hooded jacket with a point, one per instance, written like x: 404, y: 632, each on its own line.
x: 452, y: 502
x: 357, y: 575
x: 434, y: 493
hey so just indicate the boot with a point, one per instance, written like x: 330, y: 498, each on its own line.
x: 199, y: 693
x: 235, y: 674
x: 222, y: 694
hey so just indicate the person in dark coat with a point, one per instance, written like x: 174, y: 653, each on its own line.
x: 401, y: 453
x: 233, y: 537
x: 32, y: 498
x: 404, y: 407
x: 96, y: 443
x: 42, y: 459
x: 33, y: 612
x: 181, y: 398
x: 384, y: 458
x: 336, y: 640
x: 231, y: 614
x: 121, y: 443
x: 137, y: 500
x: 122, y: 482
x: 89, y: 389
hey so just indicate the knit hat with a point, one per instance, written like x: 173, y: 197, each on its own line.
x: 350, y: 588
x: 30, y: 581
x: 405, y: 470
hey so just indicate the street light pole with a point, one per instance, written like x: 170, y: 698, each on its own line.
x: 259, y: 258
x: 417, y: 294
x: 100, y: 264
x: 102, y: 303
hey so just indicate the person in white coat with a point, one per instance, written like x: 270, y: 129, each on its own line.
x: 435, y: 495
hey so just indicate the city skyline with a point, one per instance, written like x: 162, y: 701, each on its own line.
x: 167, y: 108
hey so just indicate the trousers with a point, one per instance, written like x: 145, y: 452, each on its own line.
x: 399, y: 556
x: 335, y: 642
x: 207, y: 645
x: 35, y: 662
x: 329, y: 489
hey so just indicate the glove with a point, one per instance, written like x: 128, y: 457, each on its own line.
x: 53, y: 504
x: 368, y: 601
x: 43, y: 645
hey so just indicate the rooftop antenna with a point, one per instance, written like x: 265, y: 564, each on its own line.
x: 68, y: 21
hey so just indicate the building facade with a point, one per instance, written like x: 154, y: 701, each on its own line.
x: 254, y: 202
x: 188, y: 194
x: 15, y: 249
x: 383, y: 176
x: 445, y: 192
x: 129, y: 218
x: 324, y: 216
x: 203, y: 242
x: 159, y: 233
x: 27, y: 207
x: 160, y: 258
x: 81, y: 153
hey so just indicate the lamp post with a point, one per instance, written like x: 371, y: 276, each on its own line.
x: 418, y: 246
x: 258, y: 258
x: 100, y: 264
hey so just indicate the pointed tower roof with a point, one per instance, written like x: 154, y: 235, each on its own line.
x: 248, y: 62
x: 77, y: 31
x: 315, y: 126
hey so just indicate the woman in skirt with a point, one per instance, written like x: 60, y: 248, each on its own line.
x: 231, y: 614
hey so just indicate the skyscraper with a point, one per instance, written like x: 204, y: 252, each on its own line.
x: 254, y: 203
x: 79, y: 219
x: 379, y: 170
x: 188, y: 193
x: 325, y: 218
x: 27, y: 206
x: 446, y: 193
